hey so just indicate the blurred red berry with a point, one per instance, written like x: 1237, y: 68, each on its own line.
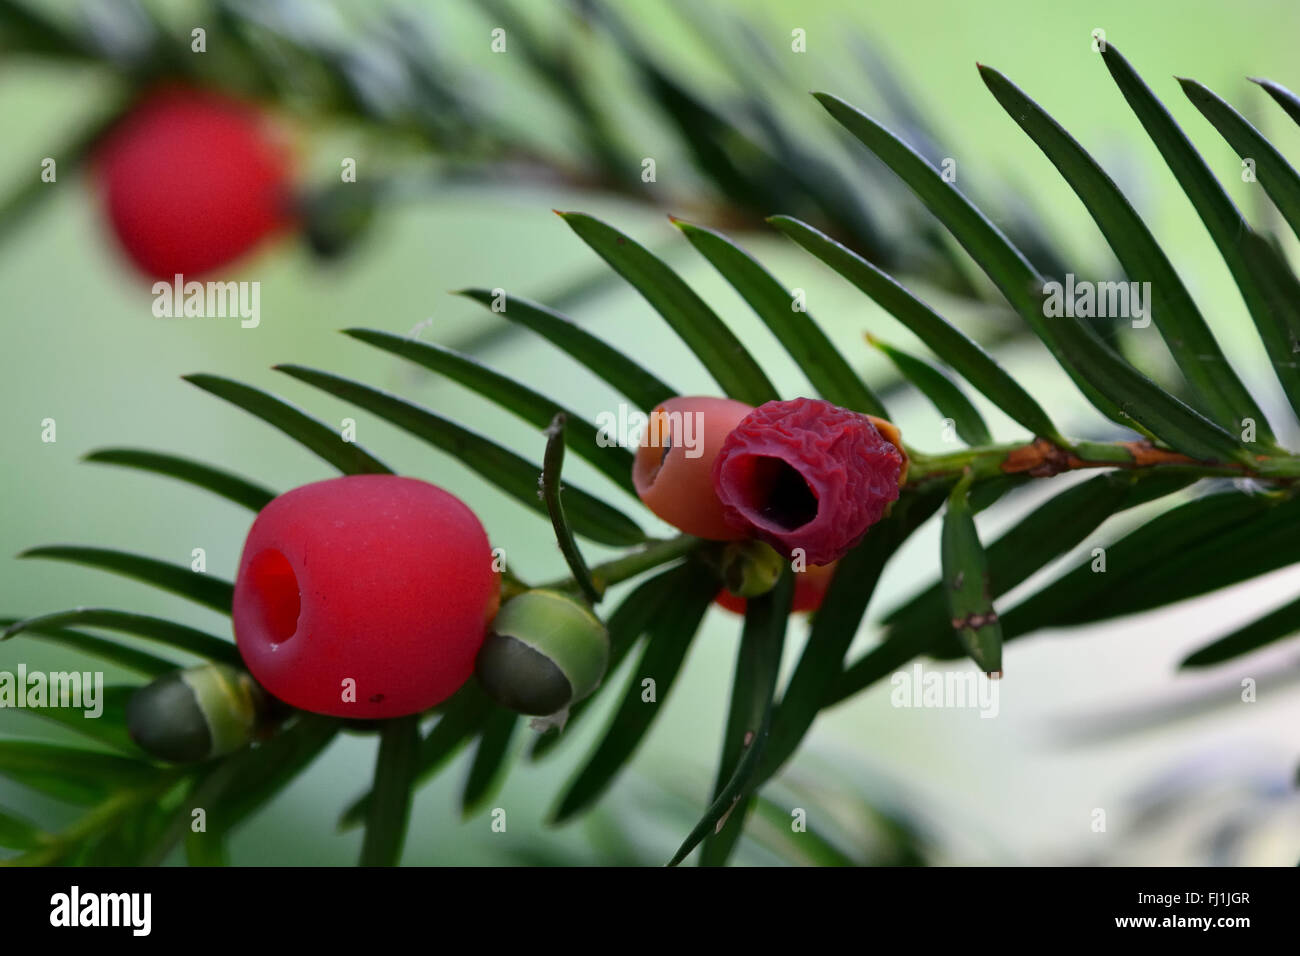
x: 192, y: 179
x: 807, y: 475
x: 809, y: 590
x: 380, y: 580
x: 674, y: 464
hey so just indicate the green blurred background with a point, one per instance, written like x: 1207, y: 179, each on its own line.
x: 79, y: 345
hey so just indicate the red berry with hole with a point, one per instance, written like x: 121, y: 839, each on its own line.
x: 674, y: 463
x: 191, y: 180
x: 366, y: 596
x: 808, y: 476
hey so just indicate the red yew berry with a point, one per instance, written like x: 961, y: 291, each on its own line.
x: 191, y: 180
x: 674, y: 464
x: 807, y: 475
x: 381, y: 581
x: 809, y: 590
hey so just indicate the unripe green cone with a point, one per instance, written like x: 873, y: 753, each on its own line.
x: 750, y: 568
x: 545, y: 652
x: 195, y: 714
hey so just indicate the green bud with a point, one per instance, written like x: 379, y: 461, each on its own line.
x: 750, y: 568
x: 545, y: 652
x: 196, y: 714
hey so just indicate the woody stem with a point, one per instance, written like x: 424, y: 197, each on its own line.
x: 1042, y: 458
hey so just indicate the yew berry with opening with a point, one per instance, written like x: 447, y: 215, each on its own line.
x: 366, y: 596
x: 191, y: 180
x: 674, y: 463
x: 807, y: 476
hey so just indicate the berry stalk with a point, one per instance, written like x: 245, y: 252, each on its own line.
x: 651, y: 556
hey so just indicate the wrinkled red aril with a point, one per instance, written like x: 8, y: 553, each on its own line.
x: 806, y: 475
